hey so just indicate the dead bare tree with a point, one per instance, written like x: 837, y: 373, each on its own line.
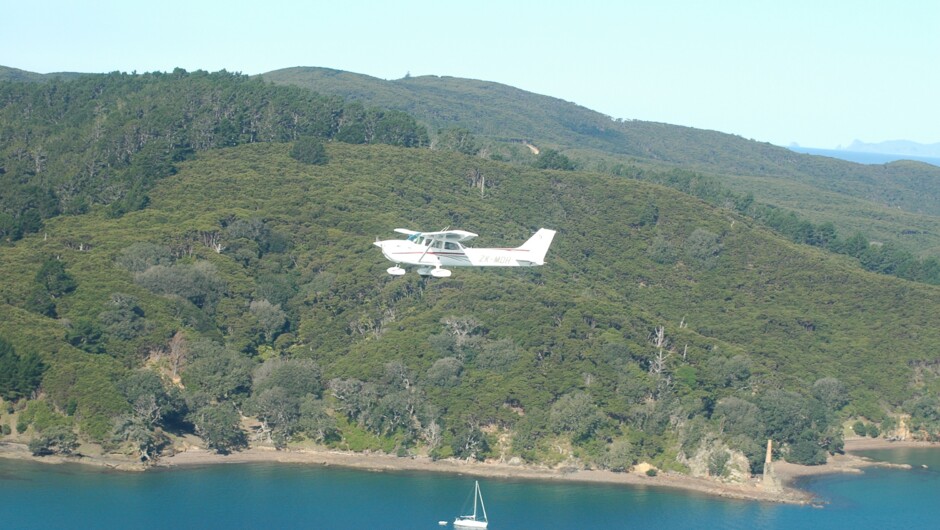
x: 658, y: 364
x: 80, y: 246
x: 148, y: 410
x: 433, y: 435
x: 477, y: 179
x: 461, y: 327
x: 212, y: 240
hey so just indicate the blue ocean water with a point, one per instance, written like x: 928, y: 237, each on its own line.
x: 296, y: 496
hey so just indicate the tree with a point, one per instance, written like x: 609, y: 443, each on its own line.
x: 9, y: 364
x: 619, y: 456
x: 397, y: 375
x: 309, y: 150
x: 220, y: 426
x: 253, y: 236
x: 298, y: 377
x: 278, y: 412
x: 469, y: 442
x: 52, y: 278
x: 801, y: 423
x: 19, y: 375
x: 498, y: 354
x: 55, y: 440
x: 136, y: 431
x: 457, y: 139
x: 729, y: 372
x: 552, y: 159
x: 86, y: 335
x: 575, y: 414
x: 142, y: 255
x: 315, y: 422
x: 395, y: 128
x: 461, y: 328
x: 40, y: 302
x: 50, y: 283
x: 859, y: 428
x: 445, y: 372
x: 392, y: 412
x: 124, y: 318
x: 855, y: 245
x: 354, y: 397
x: 738, y: 417
x: 831, y: 392
x: 807, y: 451
x: 217, y: 372
x: 199, y: 283
x: 661, y: 250
x: 150, y: 401
x: 702, y: 248
x: 717, y: 462
x: 271, y: 319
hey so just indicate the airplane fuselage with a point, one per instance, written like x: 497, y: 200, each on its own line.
x: 407, y: 252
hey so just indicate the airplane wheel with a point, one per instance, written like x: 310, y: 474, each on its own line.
x: 440, y: 273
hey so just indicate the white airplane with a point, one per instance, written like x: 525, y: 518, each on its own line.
x: 430, y: 251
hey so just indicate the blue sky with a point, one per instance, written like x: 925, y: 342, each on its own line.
x: 820, y: 73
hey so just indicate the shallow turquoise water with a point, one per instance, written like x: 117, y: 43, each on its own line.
x: 296, y: 496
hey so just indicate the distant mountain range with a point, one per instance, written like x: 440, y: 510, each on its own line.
x: 865, y: 157
x: 896, y: 147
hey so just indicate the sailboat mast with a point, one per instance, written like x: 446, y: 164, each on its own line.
x: 476, y: 493
x: 480, y: 495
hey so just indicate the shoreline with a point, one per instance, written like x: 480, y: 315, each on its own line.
x: 864, y: 444
x: 381, y: 463
x: 751, y: 490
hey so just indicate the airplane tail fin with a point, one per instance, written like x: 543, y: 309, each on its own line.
x: 537, y: 246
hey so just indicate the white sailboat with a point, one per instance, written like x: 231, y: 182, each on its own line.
x: 471, y: 521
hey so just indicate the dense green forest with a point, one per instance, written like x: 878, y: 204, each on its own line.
x: 243, y: 301
x: 893, y: 203
x: 105, y: 139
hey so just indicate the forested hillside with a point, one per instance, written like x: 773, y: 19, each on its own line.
x: 238, y: 297
x: 249, y: 286
x: 897, y: 202
x: 106, y: 139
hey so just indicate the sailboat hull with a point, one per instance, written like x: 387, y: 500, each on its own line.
x: 468, y: 523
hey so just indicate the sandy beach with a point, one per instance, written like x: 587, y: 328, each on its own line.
x: 382, y: 462
x: 751, y: 490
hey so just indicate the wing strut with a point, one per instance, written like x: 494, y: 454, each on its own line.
x: 426, y: 249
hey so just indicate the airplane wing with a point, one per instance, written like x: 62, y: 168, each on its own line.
x: 406, y: 231
x: 448, y: 235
